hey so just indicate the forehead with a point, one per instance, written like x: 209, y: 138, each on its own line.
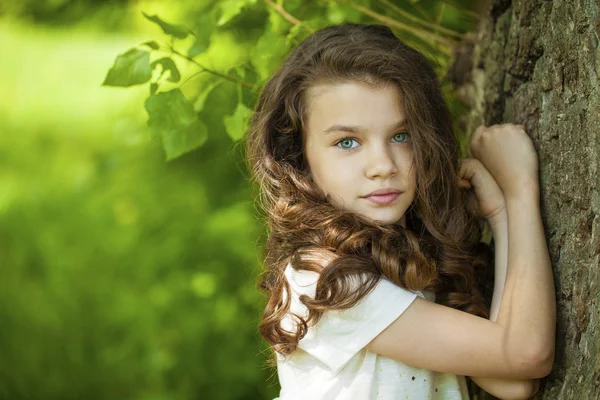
x: 353, y: 103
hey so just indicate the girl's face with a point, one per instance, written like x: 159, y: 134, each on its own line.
x: 357, y: 143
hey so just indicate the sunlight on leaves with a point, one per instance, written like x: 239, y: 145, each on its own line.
x: 201, y: 98
x: 130, y: 68
x: 173, y: 119
x: 168, y: 65
x: 195, y: 49
x: 269, y: 50
x: 232, y: 8
x: 177, y: 31
x: 236, y: 125
x: 152, y: 44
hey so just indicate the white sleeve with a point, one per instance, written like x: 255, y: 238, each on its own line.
x: 340, y: 334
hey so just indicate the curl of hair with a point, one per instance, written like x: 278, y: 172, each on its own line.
x: 439, y: 248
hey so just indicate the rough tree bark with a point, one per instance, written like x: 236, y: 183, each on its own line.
x: 537, y: 63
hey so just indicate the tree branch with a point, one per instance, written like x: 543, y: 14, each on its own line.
x: 419, y: 21
x: 470, y: 13
x: 425, y: 35
x: 287, y: 15
x: 210, y: 71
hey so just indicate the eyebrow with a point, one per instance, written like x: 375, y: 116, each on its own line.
x: 357, y: 128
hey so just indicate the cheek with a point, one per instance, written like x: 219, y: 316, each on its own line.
x: 318, y: 172
x: 333, y: 177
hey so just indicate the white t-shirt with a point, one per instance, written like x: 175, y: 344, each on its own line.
x: 331, y: 362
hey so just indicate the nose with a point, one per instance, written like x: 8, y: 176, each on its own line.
x: 380, y: 163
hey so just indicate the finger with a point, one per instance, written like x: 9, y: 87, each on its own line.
x: 468, y: 167
x: 464, y: 184
x: 477, y: 134
x: 480, y: 128
x: 473, y: 171
x: 474, y: 144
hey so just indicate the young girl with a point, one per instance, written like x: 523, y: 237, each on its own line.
x: 371, y: 254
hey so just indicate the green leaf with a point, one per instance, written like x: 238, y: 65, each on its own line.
x: 199, y: 103
x: 177, y: 31
x: 236, y: 125
x: 173, y: 119
x: 195, y: 49
x: 268, y: 53
x: 231, y: 8
x: 168, y: 65
x: 130, y: 68
x: 240, y: 71
x: 152, y: 44
x: 177, y: 143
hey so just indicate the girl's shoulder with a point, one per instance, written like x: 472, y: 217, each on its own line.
x: 305, y: 282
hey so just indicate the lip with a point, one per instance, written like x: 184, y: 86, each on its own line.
x: 383, y: 192
x: 383, y: 196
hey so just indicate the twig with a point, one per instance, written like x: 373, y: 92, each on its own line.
x: 463, y: 10
x: 391, y: 22
x: 420, y: 9
x: 287, y: 15
x: 440, y: 15
x: 210, y: 71
x: 191, y: 77
x: 419, y: 21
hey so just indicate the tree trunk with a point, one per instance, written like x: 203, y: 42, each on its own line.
x: 537, y: 64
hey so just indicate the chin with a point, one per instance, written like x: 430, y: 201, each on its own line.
x: 386, y: 218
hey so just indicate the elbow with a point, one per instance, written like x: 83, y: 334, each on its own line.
x: 546, y: 363
x: 522, y: 390
x: 509, y: 389
x: 539, y: 364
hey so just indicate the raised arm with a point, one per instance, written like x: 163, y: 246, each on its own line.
x: 520, y: 344
x: 528, y: 308
x: 503, y: 388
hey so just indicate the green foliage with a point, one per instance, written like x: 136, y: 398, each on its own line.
x: 168, y: 64
x: 173, y: 119
x: 237, y: 124
x: 269, y: 52
x: 203, y: 94
x: 152, y: 44
x: 125, y: 277
x: 230, y: 8
x: 177, y: 31
x: 195, y: 49
x: 122, y: 276
x: 234, y: 35
x: 130, y: 68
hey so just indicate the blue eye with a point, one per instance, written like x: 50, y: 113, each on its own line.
x: 401, y: 137
x: 346, y: 143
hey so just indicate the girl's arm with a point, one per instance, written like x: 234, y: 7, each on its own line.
x: 498, y: 387
x: 520, y: 343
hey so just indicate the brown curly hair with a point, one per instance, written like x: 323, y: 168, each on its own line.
x: 439, y: 248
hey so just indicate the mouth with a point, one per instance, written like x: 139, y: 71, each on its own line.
x: 383, y: 197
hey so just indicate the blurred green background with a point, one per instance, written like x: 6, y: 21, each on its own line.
x: 129, y: 254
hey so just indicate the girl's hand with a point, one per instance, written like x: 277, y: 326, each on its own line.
x: 473, y: 175
x: 508, y: 154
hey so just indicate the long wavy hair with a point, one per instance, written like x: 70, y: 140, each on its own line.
x: 438, y: 250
